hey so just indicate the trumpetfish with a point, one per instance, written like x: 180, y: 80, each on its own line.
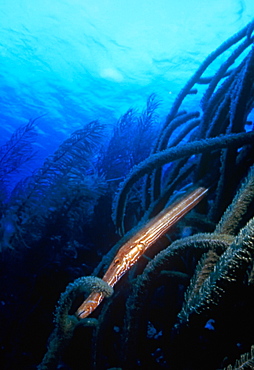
x: 136, y: 246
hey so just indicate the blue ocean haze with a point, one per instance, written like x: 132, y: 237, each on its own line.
x: 75, y: 61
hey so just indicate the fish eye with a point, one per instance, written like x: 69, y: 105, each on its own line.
x: 141, y: 246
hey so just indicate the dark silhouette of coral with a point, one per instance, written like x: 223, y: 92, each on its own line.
x: 14, y: 155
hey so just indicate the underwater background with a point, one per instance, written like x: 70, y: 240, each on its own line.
x: 76, y: 61
x: 110, y: 110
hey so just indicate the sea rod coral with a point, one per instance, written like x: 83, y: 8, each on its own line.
x: 190, y: 306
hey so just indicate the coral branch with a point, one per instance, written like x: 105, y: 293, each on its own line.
x: 159, y: 159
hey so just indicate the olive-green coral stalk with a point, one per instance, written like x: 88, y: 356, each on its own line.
x: 230, y: 269
x: 159, y: 159
x: 65, y: 323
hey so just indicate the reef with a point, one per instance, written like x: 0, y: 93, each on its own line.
x: 187, y: 301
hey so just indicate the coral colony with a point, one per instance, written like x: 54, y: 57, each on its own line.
x: 169, y: 285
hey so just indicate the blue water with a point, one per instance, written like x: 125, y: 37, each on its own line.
x: 77, y: 61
